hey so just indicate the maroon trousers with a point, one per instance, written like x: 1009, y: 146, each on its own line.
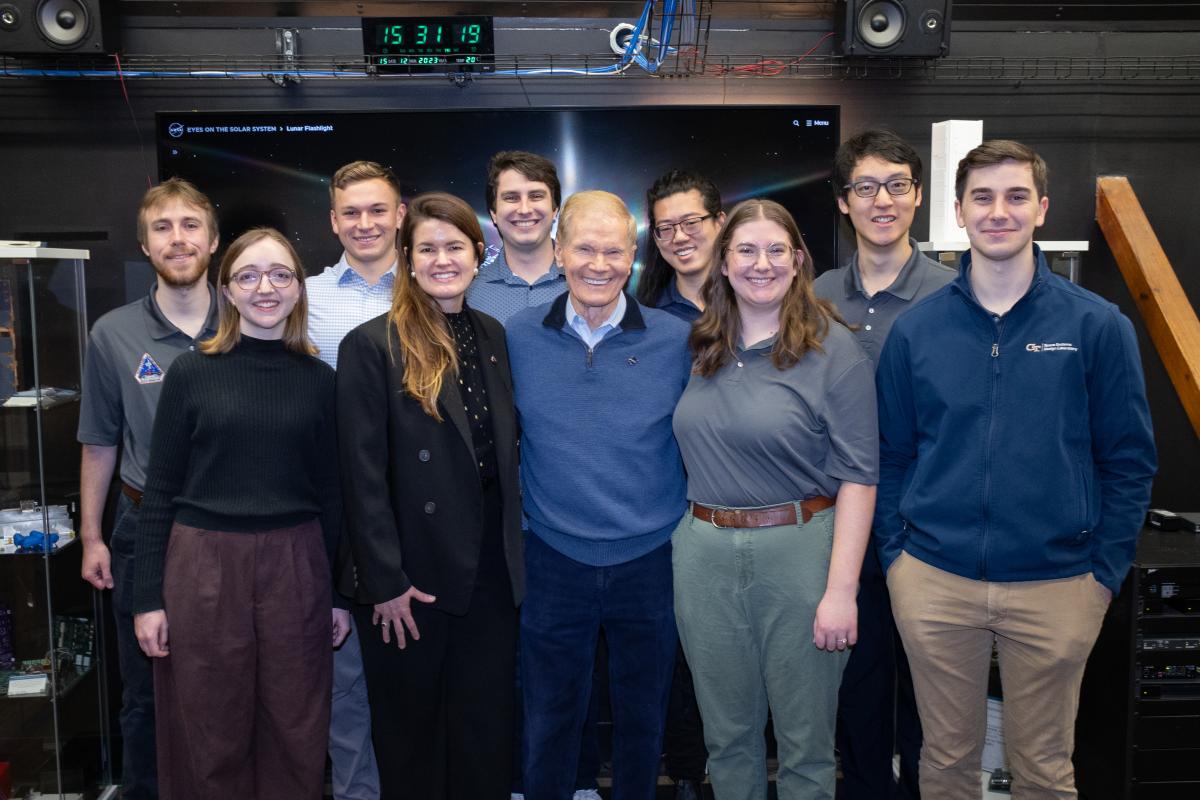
x: 242, y: 701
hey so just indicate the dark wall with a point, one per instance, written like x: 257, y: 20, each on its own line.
x: 73, y: 156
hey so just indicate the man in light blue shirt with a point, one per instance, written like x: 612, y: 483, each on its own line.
x: 523, y: 195
x: 365, y: 211
x: 592, y: 336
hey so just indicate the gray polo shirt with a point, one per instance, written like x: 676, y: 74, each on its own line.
x: 498, y: 292
x: 129, y: 352
x: 753, y: 435
x: 919, y: 277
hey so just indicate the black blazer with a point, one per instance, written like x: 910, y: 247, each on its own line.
x: 413, y: 503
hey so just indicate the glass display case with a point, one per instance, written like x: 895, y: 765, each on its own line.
x: 54, y: 730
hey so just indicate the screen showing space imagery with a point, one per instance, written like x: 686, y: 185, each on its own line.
x: 273, y: 168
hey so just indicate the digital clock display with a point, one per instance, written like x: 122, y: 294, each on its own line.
x: 422, y: 44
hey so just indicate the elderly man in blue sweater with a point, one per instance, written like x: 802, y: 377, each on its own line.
x: 596, y: 378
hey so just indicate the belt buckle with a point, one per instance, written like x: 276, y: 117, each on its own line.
x: 716, y: 510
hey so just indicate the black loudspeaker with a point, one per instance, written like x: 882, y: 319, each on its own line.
x: 49, y: 27
x: 894, y: 28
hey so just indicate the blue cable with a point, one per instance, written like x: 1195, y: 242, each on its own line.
x: 631, y: 56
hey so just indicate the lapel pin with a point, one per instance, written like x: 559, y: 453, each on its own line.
x: 493, y: 359
x: 631, y: 361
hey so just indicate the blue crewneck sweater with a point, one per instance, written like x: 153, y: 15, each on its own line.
x: 601, y: 473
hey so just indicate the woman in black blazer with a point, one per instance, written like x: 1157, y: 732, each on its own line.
x: 428, y: 443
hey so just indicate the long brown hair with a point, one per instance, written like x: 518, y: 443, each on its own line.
x: 803, y: 319
x: 295, y: 327
x: 426, y: 345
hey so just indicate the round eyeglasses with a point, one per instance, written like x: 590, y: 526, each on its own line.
x: 250, y: 279
x: 747, y: 255
x: 895, y: 187
x: 690, y: 227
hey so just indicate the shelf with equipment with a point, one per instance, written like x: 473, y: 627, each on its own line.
x: 1138, y: 731
x: 54, y: 730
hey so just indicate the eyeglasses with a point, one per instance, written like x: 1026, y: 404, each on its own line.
x: 746, y: 255
x: 895, y: 187
x: 690, y: 226
x: 249, y: 279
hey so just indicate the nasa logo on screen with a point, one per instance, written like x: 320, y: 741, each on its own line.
x: 175, y: 130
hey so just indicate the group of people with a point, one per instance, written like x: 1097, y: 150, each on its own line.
x: 763, y: 490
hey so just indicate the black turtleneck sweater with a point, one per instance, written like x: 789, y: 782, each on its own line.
x: 243, y: 441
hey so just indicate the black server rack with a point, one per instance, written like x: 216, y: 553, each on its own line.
x: 1138, y: 730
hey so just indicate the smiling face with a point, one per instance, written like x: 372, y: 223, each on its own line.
x: 524, y: 213
x: 597, y: 261
x: 687, y: 253
x: 179, y: 242
x: 760, y: 264
x: 882, y: 221
x: 444, y: 260
x: 365, y: 217
x: 264, y: 308
x: 1000, y: 210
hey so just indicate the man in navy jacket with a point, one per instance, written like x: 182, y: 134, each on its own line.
x: 1016, y: 458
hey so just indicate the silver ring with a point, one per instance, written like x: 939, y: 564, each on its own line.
x: 841, y: 641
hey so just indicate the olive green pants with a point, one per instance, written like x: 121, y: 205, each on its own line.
x: 744, y: 602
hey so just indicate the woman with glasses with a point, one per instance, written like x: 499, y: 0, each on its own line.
x: 685, y: 215
x: 429, y: 458
x: 241, y: 509
x: 777, y: 429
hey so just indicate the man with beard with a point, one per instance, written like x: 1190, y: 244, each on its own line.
x: 128, y: 356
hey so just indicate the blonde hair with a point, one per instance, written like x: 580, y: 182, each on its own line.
x: 184, y: 192
x: 804, y: 320
x: 599, y: 201
x: 359, y: 171
x: 295, y: 327
x: 426, y: 344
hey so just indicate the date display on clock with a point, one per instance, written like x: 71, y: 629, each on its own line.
x: 429, y: 44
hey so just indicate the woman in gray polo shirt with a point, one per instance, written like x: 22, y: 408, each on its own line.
x: 778, y: 433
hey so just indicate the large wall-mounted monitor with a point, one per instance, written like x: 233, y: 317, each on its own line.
x: 273, y: 168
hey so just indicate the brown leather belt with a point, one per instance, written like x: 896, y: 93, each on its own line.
x: 784, y: 514
x: 133, y: 494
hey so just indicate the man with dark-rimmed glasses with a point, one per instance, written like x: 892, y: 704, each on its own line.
x: 877, y: 176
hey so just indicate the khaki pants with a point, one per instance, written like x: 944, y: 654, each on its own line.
x: 1044, y: 631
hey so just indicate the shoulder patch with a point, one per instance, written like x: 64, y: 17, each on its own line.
x: 148, y: 370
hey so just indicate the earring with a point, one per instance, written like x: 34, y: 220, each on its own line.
x: 412, y: 273
x: 476, y: 271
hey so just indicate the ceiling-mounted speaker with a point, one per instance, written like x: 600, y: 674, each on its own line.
x: 893, y: 28
x: 43, y: 27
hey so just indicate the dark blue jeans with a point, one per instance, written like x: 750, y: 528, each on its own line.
x: 566, y: 607
x: 877, y: 712
x: 139, y: 772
